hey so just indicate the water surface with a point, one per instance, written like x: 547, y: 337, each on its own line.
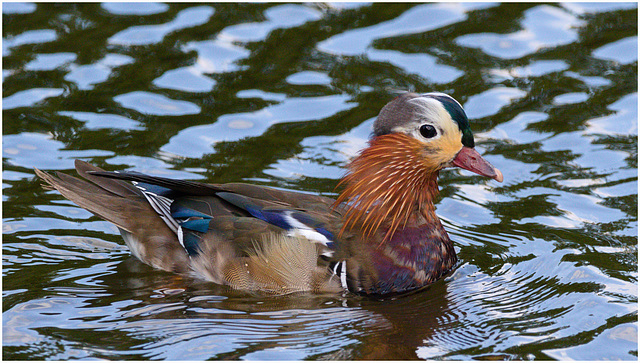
x: 284, y: 95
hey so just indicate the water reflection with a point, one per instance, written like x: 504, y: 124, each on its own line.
x: 154, y: 104
x: 419, y: 19
x: 29, y: 97
x: 543, y: 26
x: 28, y: 37
x: 88, y: 75
x: 147, y: 8
x: 624, y: 51
x: 490, y: 102
x: 151, y: 34
x: 377, y: 329
x: 285, y: 95
x: 232, y: 127
x: 281, y: 16
x: 48, y: 62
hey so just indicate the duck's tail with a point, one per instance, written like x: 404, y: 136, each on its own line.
x: 106, y: 198
x: 122, y: 204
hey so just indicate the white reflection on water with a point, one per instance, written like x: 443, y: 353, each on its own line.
x: 29, y: 97
x: 232, y: 127
x: 88, y: 75
x: 543, y: 26
x: 278, y: 17
x: 548, y: 259
x: 134, y: 8
x: 623, y: 120
x: 28, y: 37
x: 323, y: 156
x: 418, y: 19
x: 155, y: 104
x: 97, y: 121
x: 624, y: 51
x: 18, y: 8
x: 491, y: 101
x: 49, y: 62
x: 30, y: 150
x: 152, y: 34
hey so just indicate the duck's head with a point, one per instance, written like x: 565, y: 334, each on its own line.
x: 415, y: 136
x: 438, y: 127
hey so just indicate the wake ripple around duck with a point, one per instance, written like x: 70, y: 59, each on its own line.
x: 523, y: 292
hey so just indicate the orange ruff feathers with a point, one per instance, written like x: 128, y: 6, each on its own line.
x: 387, y: 182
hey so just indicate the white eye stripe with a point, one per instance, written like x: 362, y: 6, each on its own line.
x: 429, y: 108
x: 440, y: 94
x: 428, y: 111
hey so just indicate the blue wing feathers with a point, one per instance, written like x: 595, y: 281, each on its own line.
x: 191, y: 242
x: 198, y: 225
x: 192, y: 212
x: 272, y: 216
x: 287, y: 219
x: 180, y: 211
x: 155, y: 189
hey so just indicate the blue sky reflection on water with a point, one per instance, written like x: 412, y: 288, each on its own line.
x: 285, y: 95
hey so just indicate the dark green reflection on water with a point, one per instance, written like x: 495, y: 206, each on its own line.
x: 284, y: 95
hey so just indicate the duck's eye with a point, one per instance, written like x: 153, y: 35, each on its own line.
x: 428, y: 131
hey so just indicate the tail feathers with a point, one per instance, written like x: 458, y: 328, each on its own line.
x: 180, y: 186
x: 120, y: 188
x: 105, y: 201
x: 146, y: 234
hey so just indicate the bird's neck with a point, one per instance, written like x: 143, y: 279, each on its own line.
x: 388, y: 201
x: 389, y: 187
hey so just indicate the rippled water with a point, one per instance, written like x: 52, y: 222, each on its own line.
x: 285, y: 95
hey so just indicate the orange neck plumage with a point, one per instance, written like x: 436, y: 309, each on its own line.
x: 390, y: 184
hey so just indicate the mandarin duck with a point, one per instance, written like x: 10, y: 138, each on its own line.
x: 380, y: 236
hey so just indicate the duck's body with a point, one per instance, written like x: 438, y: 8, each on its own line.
x: 380, y: 236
